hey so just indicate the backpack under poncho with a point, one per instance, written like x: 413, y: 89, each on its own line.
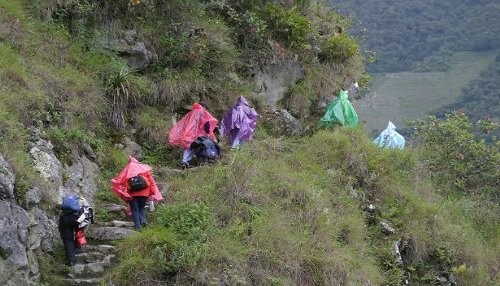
x: 340, y: 112
x: 240, y: 118
x: 389, y: 138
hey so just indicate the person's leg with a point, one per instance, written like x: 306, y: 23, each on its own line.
x: 187, y: 155
x: 134, y: 208
x: 69, y: 250
x: 142, y: 210
x: 235, y: 134
x: 236, y: 142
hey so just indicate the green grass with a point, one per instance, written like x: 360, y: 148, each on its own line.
x: 404, y: 96
x: 278, y: 212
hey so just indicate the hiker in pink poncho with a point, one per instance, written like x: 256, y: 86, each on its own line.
x: 136, y: 185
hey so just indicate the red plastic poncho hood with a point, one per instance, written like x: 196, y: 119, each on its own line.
x: 191, y: 126
x: 132, y: 169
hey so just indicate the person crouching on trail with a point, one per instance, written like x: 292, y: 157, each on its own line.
x: 239, y: 123
x: 196, y: 123
x: 136, y: 185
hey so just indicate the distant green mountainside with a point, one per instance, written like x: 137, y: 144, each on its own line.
x: 419, y: 35
x: 481, y: 97
x: 404, y: 96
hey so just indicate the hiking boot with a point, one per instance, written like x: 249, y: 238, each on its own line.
x: 185, y: 165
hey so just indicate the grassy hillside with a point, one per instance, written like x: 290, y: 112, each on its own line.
x: 294, y: 212
x: 277, y: 212
x: 405, y: 96
x: 57, y: 75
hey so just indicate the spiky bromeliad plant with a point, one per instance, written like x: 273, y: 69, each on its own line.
x: 121, y: 87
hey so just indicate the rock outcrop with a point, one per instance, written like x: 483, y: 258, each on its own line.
x: 28, y: 230
x: 272, y: 80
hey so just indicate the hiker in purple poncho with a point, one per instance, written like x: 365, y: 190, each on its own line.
x: 239, y: 123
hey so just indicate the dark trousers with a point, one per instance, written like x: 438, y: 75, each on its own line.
x: 70, y: 250
x: 137, y: 206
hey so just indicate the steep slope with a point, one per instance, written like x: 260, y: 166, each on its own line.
x: 83, y: 81
x: 332, y: 209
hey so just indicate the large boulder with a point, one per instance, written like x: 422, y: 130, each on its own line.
x: 132, y: 49
x: 133, y: 149
x: 79, y: 177
x: 273, y: 79
x: 48, y: 166
x: 280, y: 121
x: 14, y: 222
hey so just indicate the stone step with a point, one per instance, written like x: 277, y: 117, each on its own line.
x: 91, y: 256
x: 102, y: 248
x: 82, y: 281
x: 95, y: 256
x: 92, y: 269
x: 108, y: 232
x: 114, y: 208
x: 121, y: 223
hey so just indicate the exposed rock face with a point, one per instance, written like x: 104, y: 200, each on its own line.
x: 79, y: 178
x: 272, y: 81
x: 47, y: 164
x: 132, y: 149
x: 14, y: 222
x: 282, y: 122
x: 28, y: 231
x: 23, y: 233
x: 6, y: 180
x: 133, y: 50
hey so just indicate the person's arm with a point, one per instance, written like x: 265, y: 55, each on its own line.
x: 206, y: 127
x: 153, y: 188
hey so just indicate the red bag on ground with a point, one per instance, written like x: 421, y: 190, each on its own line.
x: 80, y: 237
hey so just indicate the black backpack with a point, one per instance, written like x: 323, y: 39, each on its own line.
x: 137, y: 183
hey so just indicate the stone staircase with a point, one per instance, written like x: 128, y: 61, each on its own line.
x: 99, y: 254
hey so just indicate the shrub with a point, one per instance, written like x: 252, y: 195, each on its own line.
x: 339, y: 48
x: 124, y: 88
x: 287, y: 25
x: 456, y: 159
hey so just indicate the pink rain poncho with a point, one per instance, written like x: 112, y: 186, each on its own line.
x: 192, y: 126
x: 239, y: 122
x: 132, y: 169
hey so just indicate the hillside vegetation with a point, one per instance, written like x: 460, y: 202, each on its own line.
x: 297, y: 212
x: 421, y: 35
x: 324, y: 209
x: 61, y: 73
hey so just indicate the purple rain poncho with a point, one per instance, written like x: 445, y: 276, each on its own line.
x: 239, y: 122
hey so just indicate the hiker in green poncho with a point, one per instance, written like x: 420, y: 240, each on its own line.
x: 339, y: 112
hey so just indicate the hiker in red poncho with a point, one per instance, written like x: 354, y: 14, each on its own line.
x: 198, y: 122
x: 136, y: 185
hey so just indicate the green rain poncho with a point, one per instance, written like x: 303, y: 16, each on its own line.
x: 341, y: 112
